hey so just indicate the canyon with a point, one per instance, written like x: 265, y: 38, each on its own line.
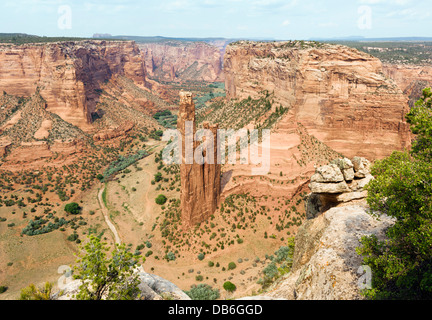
x: 69, y: 75
x: 340, y: 95
x: 410, y: 78
x: 63, y: 101
x: 181, y: 61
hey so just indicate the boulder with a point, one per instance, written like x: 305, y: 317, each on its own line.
x: 347, y: 168
x: 340, y: 187
x: 329, y: 173
x: 361, y: 167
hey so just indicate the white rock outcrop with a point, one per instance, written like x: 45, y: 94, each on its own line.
x: 326, y: 264
x: 152, y: 287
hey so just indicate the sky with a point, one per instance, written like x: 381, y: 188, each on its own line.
x: 269, y: 19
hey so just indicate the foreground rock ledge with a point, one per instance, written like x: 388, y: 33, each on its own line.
x: 325, y: 263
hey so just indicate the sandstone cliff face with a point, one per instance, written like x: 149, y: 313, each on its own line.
x: 411, y: 79
x: 182, y: 61
x: 68, y: 75
x: 338, y: 94
x: 200, y: 184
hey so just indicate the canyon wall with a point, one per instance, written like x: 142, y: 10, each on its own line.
x: 411, y: 79
x: 200, y: 184
x: 69, y: 75
x: 182, y: 61
x: 338, y: 94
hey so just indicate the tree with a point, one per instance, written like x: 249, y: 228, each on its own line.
x: 201, y: 256
x: 72, y: 208
x: 420, y: 119
x: 161, y: 199
x: 103, y: 277
x: 229, y: 286
x: 232, y: 266
x: 158, y: 177
x: 402, y: 189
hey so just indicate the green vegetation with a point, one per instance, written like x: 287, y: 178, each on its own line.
x: 418, y: 53
x: 22, y: 38
x: 109, y: 278
x: 39, y: 226
x: 232, y: 266
x: 280, y: 264
x: 201, y: 256
x: 203, y: 292
x: 161, y: 199
x: 73, y: 208
x: 229, y: 286
x: 166, y: 119
x: 123, y: 162
x: 33, y: 293
x: 402, y: 189
x: 3, y: 289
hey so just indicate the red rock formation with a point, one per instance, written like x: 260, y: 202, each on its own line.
x: 338, y: 94
x: 68, y: 75
x: 114, y: 133
x: 180, y: 61
x: 200, y: 184
x: 411, y: 79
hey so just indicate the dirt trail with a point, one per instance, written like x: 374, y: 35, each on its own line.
x: 148, y: 204
x: 106, y: 215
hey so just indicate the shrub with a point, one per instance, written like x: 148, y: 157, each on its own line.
x: 72, y: 208
x: 229, y: 286
x: 3, y: 289
x: 33, y: 293
x: 232, y: 266
x: 158, y: 177
x: 73, y: 237
x: 211, y: 264
x: 161, y: 199
x: 201, y: 256
x: 203, y: 292
x: 199, y: 278
x: 170, y: 256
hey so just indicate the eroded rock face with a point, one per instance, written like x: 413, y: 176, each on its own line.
x: 340, y: 182
x: 181, y: 61
x: 200, y: 183
x: 340, y: 95
x: 68, y: 75
x: 411, y: 79
x: 326, y: 265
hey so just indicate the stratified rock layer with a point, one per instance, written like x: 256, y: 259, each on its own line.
x: 68, y: 75
x: 339, y: 94
x: 200, y: 183
x: 411, y: 79
x: 183, y: 61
